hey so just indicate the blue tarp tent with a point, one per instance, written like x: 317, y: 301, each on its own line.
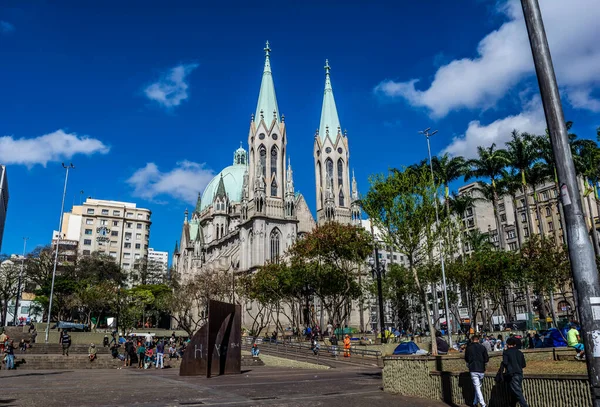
x: 406, y: 348
x: 554, y: 339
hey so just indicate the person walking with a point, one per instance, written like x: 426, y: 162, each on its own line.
x: 347, y: 346
x: 9, y: 349
x: 65, y: 340
x: 513, y: 363
x: 160, y: 354
x: 476, y: 357
x: 574, y: 341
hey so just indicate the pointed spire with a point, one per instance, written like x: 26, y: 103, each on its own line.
x: 329, y: 115
x: 289, y: 187
x: 267, y: 101
x: 185, y: 216
x: 221, y: 189
x: 176, y: 250
x: 354, y: 188
x: 198, y: 203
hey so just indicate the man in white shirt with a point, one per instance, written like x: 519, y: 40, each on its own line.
x: 148, y: 340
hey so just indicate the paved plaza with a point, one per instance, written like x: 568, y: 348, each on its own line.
x: 260, y: 386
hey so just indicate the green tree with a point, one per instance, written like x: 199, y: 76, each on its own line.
x: 9, y: 278
x: 447, y: 169
x: 400, y: 205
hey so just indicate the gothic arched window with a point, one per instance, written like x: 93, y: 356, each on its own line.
x: 275, y: 244
x: 329, y: 171
x: 341, y: 198
x: 262, y: 151
x: 274, y: 171
x: 340, y: 173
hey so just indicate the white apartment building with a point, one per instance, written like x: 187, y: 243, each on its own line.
x: 118, y: 229
x: 158, y: 257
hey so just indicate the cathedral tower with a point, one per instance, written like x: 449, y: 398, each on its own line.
x: 331, y: 154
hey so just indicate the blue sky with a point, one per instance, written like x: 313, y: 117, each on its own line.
x: 150, y: 99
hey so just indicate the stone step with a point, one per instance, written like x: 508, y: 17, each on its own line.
x: 55, y: 348
x: 73, y: 362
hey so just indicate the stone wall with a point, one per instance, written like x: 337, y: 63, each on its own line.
x: 445, y: 378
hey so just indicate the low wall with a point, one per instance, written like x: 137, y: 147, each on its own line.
x: 445, y: 378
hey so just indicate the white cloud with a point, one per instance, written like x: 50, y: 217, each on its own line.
x: 6, y: 27
x: 182, y: 182
x: 171, y: 89
x: 54, y: 146
x: 531, y: 120
x: 504, y: 58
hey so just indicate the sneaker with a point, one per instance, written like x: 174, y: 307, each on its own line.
x: 577, y: 357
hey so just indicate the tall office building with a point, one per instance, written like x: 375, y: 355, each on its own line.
x: 159, y: 258
x: 118, y: 229
x: 3, y: 201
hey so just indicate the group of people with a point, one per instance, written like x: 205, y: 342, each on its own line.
x: 146, y: 351
x: 511, y: 369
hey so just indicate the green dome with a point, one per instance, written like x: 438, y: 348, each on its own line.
x: 233, y: 178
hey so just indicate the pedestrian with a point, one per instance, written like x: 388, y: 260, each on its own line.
x: 574, y: 341
x: 160, y: 354
x: 9, y: 349
x: 476, y: 357
x: 65, y: 340
x: 148, y: 340
x: 255, y: 350
x: 513, y: 363
x: 442, y: 345
x: 141, y: 353
x: 105, y: 341
x: 92, y: 352
x: 347, y: 346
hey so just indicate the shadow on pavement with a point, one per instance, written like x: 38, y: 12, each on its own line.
x: 35, y: 374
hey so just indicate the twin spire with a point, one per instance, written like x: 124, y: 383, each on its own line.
x: 268, y: 110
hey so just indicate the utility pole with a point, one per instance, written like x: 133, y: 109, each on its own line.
x: 20, y: 281
x: 62, y: 209
x: 581, y: 252
x: 437, y: 227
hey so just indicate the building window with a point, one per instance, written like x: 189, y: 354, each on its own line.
x: 341, y: 198
x: 114, y: 233
x: 262, y: 152
x: 340, y: 173
x: 103, y: 222
x: 503, y: 218
x: 526, y: 232
x: 116, y: 213
x: 127, y: 245
x: 126, y: 255
x: 87, y: 242
x: 522, y: 202
x: 148, y: 226
x: 115, y: 223
x: 138, y: 245
x: 275, y: 241
x: 138, y: 236
x: 523, y: 217
x: 140, y: 216
x: 501, y: 207
x: 329, y: 172
x: 147, y: 237
x: 136, y: 256
x: 88, y: 231
x: 512, y: 246
x: 90, y: 211
x: 139, y: 226
x: 86, y: 252
x: 104, y: 211
x: 548, y: 211
x: 129, y: 225
x: 129, y: 214
x: 113, y: 243
x: 511, y: 234
x: 469, y: 211
x: 274, y: 171
x: 395, y: 257
x: 113, y: 254
x: 126, y: 265
x: 545, y: 195
x: 471, y: 223
x: 127, y: 235
x: 89, y: 221
x: 550, y: 226
x: 147, y: 217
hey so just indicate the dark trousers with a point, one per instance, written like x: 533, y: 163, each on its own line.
x: 516, y: 391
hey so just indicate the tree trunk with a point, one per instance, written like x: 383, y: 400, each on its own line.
x: 499, y: 230
x: 425, y: 305
x: 553, y: 309
x: 436, y: 306
x: 520, y: 238
x: 537, y: 212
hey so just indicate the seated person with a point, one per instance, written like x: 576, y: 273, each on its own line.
x: 92, y: 352
x: 574, y: 341
x: 442, y: 345
x: 255, y: 350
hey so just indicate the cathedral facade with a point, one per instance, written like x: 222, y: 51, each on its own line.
x: 250, y: 213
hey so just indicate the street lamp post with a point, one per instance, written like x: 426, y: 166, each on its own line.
x: 62, y: 209
x: 20, y: 281
x: 378, y: 270
x: 427, y: 135
x: 581, y: 253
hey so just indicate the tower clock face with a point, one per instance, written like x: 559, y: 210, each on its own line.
x: 261, y: 136
x: 274, y: 136
x: 328, y: 150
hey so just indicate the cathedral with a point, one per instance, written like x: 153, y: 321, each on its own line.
x: 250, y: 214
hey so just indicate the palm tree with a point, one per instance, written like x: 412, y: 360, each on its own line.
x: 538, y: 176
x: 521, y: 153
x: 447, y: 169
x: 489, y: 164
